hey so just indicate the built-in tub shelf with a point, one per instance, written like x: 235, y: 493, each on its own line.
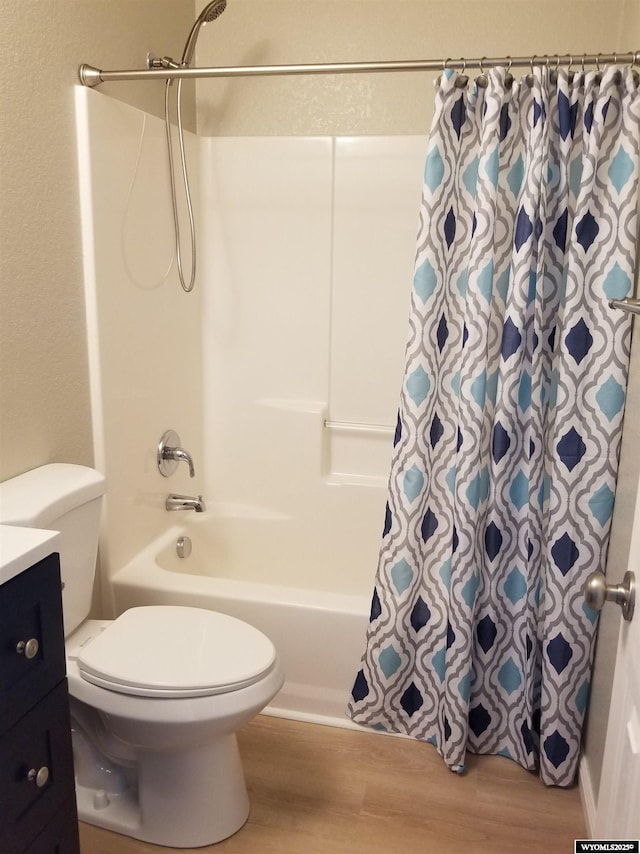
x: 359, y: 427
x: 357, y: 453
x: 37, y: 790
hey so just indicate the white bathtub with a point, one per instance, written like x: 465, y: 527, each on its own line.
x: 319, y: 635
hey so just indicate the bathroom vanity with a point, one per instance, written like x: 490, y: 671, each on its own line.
x: 37, y: 792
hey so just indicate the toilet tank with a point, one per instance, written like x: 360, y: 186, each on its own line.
x: 66, y: 498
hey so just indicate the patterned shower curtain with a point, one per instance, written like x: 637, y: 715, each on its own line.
x: 506, y: 449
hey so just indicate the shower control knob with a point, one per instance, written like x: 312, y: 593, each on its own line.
x: 38, y: 777
x: 597, y: 592
x: 28, y: 648
x: 169, y: 454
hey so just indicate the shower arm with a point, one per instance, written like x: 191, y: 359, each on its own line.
x: 92, y: 76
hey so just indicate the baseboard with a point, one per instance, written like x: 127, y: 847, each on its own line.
x: 587, y: 795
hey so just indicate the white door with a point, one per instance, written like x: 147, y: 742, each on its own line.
x: 618, y: 809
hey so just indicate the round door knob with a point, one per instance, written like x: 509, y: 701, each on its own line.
x: 597, y: 592
x: 38, y: 777
x: 28, y: 648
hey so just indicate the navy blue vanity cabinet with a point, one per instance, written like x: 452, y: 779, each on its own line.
x: 37, y: 792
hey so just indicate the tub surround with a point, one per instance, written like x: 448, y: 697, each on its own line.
x: 297, y: 485
x: 300, y: 411
x: 143, y: 331
x: 289, y: 422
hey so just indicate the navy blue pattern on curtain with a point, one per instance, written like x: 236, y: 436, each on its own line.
x: 504, y: 470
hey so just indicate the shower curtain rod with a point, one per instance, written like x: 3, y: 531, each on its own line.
x: 91, y: 76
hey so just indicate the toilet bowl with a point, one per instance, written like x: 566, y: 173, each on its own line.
x: 162, y: 690
x: 156, y: 695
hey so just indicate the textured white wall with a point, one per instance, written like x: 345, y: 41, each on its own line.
x: 257, y: 32
x: 44, y: 398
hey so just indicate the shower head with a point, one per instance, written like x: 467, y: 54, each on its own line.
x: 210, y: 12
x: 214, y: 10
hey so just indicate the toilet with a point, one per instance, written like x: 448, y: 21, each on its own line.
x: 156, y: 695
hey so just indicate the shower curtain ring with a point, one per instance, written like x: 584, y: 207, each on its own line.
x: 445, y: 66
x: 617, y: 77
x: 508, y: 76
x: 461, y: 79
x: 582, y: 62
x: 570, y: 65
x: 482, y: 80
x: 531, y: 61
x: 598, y: 69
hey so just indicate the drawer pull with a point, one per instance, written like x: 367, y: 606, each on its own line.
x: 40, y: 776
x: 28, y: 648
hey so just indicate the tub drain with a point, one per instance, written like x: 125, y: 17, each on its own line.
x: 183, y: 546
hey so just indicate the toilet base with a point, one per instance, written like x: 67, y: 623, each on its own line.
x: 184, y: 799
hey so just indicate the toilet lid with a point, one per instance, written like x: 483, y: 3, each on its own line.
x: 174, y: 651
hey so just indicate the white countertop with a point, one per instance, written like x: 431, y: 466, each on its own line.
x: 20, y: 548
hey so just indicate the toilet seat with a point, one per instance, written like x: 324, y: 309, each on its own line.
x: 173, y: 651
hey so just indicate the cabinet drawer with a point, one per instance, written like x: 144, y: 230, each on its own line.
x: 31, y: 605
x: 40, y: 740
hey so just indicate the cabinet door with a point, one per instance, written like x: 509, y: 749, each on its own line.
x: 36, y: 770
x: 30, y: 615
x: 61, y: 835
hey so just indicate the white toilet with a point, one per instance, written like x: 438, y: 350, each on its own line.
x: 156, y: 695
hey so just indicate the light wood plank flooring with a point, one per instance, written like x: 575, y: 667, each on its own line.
x: 322, y: 790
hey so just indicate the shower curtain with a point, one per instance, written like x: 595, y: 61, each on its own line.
x: 505, y: 454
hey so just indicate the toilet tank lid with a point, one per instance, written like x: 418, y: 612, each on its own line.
x: 38, y: 497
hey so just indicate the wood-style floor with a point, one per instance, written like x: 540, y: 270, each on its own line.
x: 322, y: 790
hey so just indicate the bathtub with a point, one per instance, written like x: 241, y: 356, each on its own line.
x: 319, y: 635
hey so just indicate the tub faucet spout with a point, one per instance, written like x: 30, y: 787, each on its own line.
x: 185, y: 502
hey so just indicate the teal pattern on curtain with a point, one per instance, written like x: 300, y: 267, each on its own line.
x: 505, y: 456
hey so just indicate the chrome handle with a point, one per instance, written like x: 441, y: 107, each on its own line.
x: 597, y: 592
x: 28, y: 648
x: 170, y: 454
x: 38, y: 777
